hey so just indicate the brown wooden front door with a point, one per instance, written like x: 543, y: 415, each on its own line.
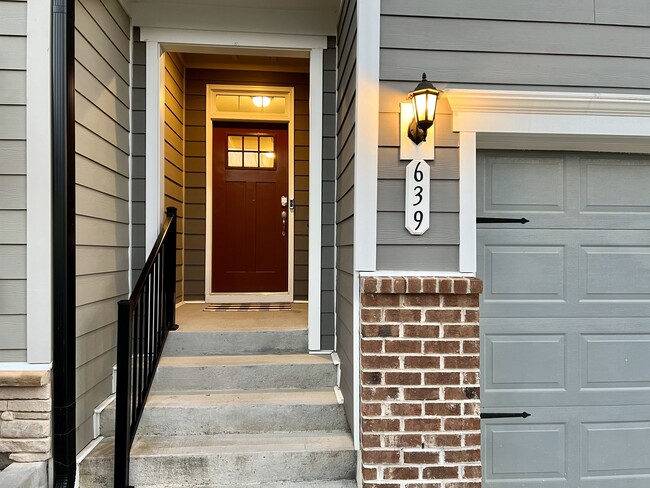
x: 250, y: 236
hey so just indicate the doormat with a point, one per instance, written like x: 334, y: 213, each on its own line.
x: 248, y: 307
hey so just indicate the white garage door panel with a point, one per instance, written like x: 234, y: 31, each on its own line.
x: 550, y: 362
x: 565, y: 319
x: 595, y: 447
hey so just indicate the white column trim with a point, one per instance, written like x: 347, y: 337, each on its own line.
x: 366, y: 136
x: 467, y: 210
x: 39, y: 185
x: 315, y: 196
x: 155, y: 197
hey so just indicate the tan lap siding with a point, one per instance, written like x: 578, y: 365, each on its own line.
x: 13, y: 215
x: 102, y: 158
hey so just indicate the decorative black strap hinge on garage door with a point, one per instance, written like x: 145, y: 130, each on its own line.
x: 496, y: 220
x: 523, y: 415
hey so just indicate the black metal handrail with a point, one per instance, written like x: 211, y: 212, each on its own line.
x: 143, y: 322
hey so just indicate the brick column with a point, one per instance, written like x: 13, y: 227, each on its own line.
x: 25, y: 419
x: 420, y: 424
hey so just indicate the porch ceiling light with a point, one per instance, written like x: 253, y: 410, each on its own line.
x: 261, y: 101
x: 424, y: 99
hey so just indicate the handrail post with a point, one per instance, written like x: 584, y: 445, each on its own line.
x: 170, y: 270
x: 123, y: 393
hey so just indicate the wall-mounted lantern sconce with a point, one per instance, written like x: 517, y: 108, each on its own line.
x: 424, y: 99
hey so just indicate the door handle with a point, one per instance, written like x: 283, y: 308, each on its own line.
x: 284, y: 223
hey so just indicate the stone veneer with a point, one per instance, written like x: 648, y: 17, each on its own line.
x: 25, y: 415
x: 420, y: 419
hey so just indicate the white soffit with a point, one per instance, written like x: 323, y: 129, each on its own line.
x: 491, y: 111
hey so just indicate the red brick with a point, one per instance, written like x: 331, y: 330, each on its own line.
x: 423, y: 331
x: 471, y: 409
x: 463, y: 393
x: 471, y: 378
x: 369, y: 474
x: 471, y: 316
x: 414, y: 285
x: 442, y: 378
x: 403, y: 379
x: 371, y: 346
x: 379, y: 300
x: 472, y: 472
x: 421, y: 393
x: 445, y: 286
x: 402, y: 440
x: 471, y: 347
x: 370, y: 440
x: 379, y: 330
x: 421, y: 362
x: 376, y: 394
x: 463, y: 456
x: 475, y: 285
x: 442, y: 347
x: 430, y: 285
x: 370, y: 409
x: 445, y: 409
x: 404, y: 409
x: 381, y: 485
x: 421, y: 457
x: 380, y: 457
x: 379, y: 362
x: 380, y: 425
x: 461, y: 286
x: 397, y: 346
x: 472, y: 440
x: 371, y: 378
x: 421, y: 300
x: 422, y: 425
x: 368, y: 285
x: 385, y: 285
x: 460, y: 301
x: 464, y: 331
x: 424, y: 485
x: 442, y: 440
x: 454, y: 423
x: 403, y: 315
x: 463, y: 484
x: 402, y: 473
x: 440, y: 473
x: 462, y: 362
x: 371, y: 315
x: 443, y: 316
x: 399, y: 285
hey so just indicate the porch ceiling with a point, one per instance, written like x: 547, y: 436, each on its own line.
x: 313, y: 17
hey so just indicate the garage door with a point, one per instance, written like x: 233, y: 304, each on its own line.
x: 565, y: 319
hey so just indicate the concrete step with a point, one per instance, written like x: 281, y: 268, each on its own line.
x: 249, y: 372
x: 228, y: 460
x: 236, y: 339
x: 250, y: 411
x: 282, y: 484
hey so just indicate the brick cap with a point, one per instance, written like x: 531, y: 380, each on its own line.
x: 452, y: 285
x: 24, y: 378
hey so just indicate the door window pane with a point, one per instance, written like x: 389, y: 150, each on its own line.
x: 234, y: 159
x: 250, y: 159
x: 251, y: 143
x: 235, y: 142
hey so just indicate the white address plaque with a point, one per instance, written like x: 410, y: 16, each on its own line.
x: 418, y: 186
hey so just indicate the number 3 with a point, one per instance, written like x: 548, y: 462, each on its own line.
x: 418, y: 193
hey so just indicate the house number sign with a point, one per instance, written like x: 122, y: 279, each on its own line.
x: 417, y: 197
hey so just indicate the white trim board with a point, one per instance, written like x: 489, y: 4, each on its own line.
x: 479, y: 113
x: 38, y: 164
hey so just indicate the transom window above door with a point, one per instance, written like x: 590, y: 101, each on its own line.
x: 251, y: 152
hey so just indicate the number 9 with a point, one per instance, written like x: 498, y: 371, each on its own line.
x: 417, y: 216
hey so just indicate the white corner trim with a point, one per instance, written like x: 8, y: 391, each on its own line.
x: 97, y: 414
x: 39, y: 164
x: 315, y: 197
x: 467, y: 203
x: 25, y: 366
x: 366, y: 136
x: 87, y: 450
x: 234, y: 39
x: 423, y: 274
x: 533, y: 112
x: 154, y: 144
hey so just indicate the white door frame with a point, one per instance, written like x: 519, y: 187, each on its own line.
x: 212, y: 115
x: 512, y: 117
x: 188, y: 40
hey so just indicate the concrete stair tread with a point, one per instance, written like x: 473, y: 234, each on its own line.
x: 256, y: 326
x: 243, y: 360
x: 281, y: 484
x: 208, y: 399
x: 185, y: 446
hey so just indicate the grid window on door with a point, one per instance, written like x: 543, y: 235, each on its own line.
x: 251, y: 152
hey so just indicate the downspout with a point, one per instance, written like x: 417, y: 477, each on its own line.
x: 63, y: 245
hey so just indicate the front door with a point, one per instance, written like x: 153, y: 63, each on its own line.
x: 565, y: 319
x: 250, y: 234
